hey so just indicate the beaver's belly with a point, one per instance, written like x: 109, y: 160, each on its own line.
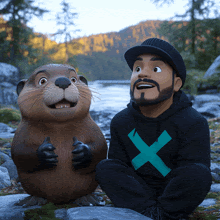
x: 60, y: 184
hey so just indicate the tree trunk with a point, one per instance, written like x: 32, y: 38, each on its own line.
x: 193, y: 27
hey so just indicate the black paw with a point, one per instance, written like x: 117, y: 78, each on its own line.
x: 82, y: 155
x: 46, y: 154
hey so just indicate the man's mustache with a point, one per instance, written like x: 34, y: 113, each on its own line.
x: 146, y: 80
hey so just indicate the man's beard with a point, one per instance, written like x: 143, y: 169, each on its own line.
x: 163, y: 95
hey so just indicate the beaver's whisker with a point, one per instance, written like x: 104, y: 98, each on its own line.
x: 95, y: 92
x: 87, y: 98
x: 29, y: 96
x: 37, y: 99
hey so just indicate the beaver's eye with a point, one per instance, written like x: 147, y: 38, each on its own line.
x: 157, y: 69
x: 138, y: 69
x: 73, y: 79
x: 42, y: 81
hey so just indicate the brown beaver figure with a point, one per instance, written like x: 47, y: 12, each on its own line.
x: 57, y: 144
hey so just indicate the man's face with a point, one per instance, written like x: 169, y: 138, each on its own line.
x: 155, y: 72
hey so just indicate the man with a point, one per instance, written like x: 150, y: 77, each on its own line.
x: 159, y: 155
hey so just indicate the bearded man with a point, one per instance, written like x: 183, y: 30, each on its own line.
x: 159, y: 156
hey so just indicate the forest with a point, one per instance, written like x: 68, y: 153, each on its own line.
x: 101, y: 57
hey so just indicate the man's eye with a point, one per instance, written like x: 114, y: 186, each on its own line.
x: 157, y: 69
x: 137, y: 69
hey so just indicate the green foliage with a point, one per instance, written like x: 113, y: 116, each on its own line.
x: 100, y: 66
x: 206, y: 41
x: 214, y: 80
x: 7, y: 115
x: 15, y: 37
x: 194, y: 78
x: 46, y: 212
x: 2, y: 160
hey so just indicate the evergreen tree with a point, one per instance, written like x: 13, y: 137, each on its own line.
x: 19, y: 12
x: 196, y: 39
x: 66, y: 20
x: 196, y: 8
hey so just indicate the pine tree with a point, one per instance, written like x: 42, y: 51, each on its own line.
x: 19, y: 11
x: 66, y: 20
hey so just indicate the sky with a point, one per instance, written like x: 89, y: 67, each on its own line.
x: 101, y: 16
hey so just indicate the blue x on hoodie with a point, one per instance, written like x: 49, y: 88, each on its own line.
x: 155, y: 147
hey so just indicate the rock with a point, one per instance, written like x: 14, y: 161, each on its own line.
x: 208, y: 105
x: 215, y: 167
x: 8, y: 163
x: 210, y: 110
x: 4, y: 178
x: 100, y: 213
x: 4, y: 157
x: 8, y: 211
x: 206, y: 98
x: 215, y: 187
x: 215, y: 176
x: 208, y: 202
x: 5, y: 131
x: 12, y: 169
x: 9, y: 77
x: 213, y: 68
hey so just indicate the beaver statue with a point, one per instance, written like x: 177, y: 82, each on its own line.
x: 57, y: 145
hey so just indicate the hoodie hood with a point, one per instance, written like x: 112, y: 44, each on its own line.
x: 180, y: 101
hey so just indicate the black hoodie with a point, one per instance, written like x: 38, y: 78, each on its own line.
x: 155, y: 147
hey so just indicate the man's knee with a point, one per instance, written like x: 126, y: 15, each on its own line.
x: 107, y: 164
x: 109, y: 168
x: 202, y: 172
x: 195, y: 173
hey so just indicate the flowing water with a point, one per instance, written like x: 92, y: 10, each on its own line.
x: 110, y: 97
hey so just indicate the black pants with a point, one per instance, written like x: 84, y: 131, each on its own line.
x: 179, y: 196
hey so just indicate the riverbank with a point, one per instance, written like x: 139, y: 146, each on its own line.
x: 212, y: 212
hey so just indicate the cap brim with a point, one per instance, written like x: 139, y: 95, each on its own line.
x: 132, y: 53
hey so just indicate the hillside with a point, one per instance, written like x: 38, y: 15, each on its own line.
x: 105, y: 59
x: 98, y: 56
x: 101, y: 56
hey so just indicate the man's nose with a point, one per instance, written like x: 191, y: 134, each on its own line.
x: 145, y: 73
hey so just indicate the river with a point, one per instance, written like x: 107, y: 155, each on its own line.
x: 109, y: 97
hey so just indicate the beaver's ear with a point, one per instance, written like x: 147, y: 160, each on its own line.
x: 83, y: 79
x: 20, y: 85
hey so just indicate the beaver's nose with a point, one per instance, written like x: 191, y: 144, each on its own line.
x: 62, y: 82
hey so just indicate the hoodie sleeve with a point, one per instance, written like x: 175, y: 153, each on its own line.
x: 117, y: 148
x: 195, y: 147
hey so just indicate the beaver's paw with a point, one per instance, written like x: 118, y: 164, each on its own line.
x: 90, y: 200
x: 82, y: 155
x: 31, y: 201
x: 46, y: 154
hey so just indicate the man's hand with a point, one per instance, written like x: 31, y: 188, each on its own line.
x: 82, y: 155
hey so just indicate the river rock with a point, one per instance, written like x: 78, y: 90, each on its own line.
x: 9, y: 77
x: 4, y: 178
x: 6, y: 131
x: 213, y: 68
x: 8, y: 211
x: 100, y: 213
x: 208, y: 105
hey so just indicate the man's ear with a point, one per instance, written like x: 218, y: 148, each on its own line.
x: 177, y: 83
x: 83, y: 79
x: 20, y: 86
